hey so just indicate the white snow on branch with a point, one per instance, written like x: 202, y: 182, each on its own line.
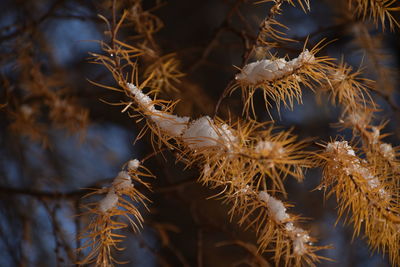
x: 340, y: 147
x: 278, y: 211
x: 275, y: 207
x: 268, y: 147
x: 108, y: 202
x: 172, y: 124
x: 143, y: 100
x: 203, y: 132
x: 387, y: 151
x: 122, y: 181
x: 133, y: 164
x: 270, y: 70
x: 300, y: 239
x: 353, y: 166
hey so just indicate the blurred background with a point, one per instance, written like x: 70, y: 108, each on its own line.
x: 59, y: 135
